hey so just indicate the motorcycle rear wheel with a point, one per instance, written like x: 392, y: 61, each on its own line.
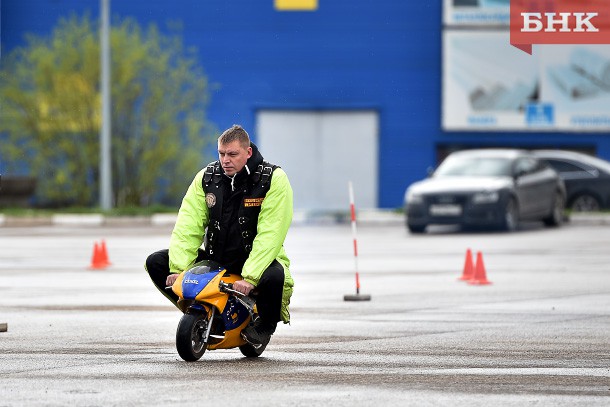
x: 250, y: 351
x: 190, y: 341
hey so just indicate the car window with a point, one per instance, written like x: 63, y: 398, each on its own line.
x: 586, y: 162
x: 570, y: 170
x: 564, y: 166
x: 526, y: 165
x: 601, y: 164
x: 539, y: 165
x: 471, y: 166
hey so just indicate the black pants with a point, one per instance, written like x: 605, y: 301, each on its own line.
x: 269, y: 289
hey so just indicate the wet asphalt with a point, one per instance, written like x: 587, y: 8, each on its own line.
x: 539, y: 334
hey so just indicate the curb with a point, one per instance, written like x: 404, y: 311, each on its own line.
x: 93, y: 220
x: 600, y: 219
x: 366, y: 217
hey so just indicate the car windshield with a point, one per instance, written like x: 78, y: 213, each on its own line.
x: 474, y: 166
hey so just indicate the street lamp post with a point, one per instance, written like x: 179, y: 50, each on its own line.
x: 105, y: 150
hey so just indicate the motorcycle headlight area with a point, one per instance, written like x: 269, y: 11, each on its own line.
x: 193, y: 283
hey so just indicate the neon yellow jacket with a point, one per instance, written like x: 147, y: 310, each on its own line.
x: 273, y: 222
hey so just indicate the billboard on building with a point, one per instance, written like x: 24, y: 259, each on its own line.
x: 476, y: 12
x: 490, y: 85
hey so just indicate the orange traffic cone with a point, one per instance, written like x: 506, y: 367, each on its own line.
x: 480, y: 276
x: 97, y: 262
x: 468, y: 267
x: 104, y: 254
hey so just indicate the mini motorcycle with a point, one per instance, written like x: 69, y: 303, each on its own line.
x: 214, y: 313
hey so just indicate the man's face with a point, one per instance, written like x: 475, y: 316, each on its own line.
x: 233, y: 157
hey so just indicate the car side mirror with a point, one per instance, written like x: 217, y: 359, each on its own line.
x: 518, y: 174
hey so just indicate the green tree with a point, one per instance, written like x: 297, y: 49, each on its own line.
x: 51, y: 113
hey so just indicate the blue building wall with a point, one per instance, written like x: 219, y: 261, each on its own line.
x: 349, y: 54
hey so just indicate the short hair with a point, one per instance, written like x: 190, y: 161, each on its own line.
x: 235, y: 132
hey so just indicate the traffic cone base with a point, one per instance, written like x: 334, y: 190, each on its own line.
x: 480, y: 276
x: 474, y: 282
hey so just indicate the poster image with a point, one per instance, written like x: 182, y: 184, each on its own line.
x: 490, y: 85
x: 576, y: 82
x: 487, y: 83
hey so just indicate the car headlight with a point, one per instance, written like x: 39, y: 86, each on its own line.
x: 414, y: 198
x: 486, y: 197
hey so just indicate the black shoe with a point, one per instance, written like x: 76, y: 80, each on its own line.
x: 259, y: 333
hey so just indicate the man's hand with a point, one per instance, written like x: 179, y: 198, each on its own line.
x: 242, y: 286
x: 171, y: 279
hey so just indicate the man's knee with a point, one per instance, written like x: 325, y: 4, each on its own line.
x: 157, y: 266
x: 158, y: 263
x: 274, y: 275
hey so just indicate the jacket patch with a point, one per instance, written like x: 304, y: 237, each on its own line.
x: 249, y: 202
x: 210, y: 199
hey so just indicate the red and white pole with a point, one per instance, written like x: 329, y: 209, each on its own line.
x: 354, y: 234
x: 358, y: 296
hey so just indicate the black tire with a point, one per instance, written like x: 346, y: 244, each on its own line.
x: 416, y: 229
x: 250, y: 351
x: 556, y: 216
x: 190, y: 336
x: 586, y: 203
x: 510, y: 220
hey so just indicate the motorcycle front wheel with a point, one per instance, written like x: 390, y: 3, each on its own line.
x: 190, y: 336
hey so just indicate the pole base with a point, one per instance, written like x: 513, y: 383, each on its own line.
x: 3, y: 327
x: 356, y: 297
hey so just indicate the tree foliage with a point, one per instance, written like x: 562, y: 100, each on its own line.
x: 51, y: 113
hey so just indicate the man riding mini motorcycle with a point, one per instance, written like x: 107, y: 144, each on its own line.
x: 241, y: 207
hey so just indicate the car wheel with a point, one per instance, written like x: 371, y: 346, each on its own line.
x: 511, y: 216
x: 556, y: 216
x: 585, y: 203
x: 416, y: 229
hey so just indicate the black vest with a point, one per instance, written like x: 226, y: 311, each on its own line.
x: 255, y: 189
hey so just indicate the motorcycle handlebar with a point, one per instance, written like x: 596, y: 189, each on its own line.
x: 226, y: 286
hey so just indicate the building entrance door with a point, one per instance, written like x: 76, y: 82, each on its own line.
x: 321, y: 152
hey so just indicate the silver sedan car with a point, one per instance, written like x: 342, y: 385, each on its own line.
x: 487, y: 188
